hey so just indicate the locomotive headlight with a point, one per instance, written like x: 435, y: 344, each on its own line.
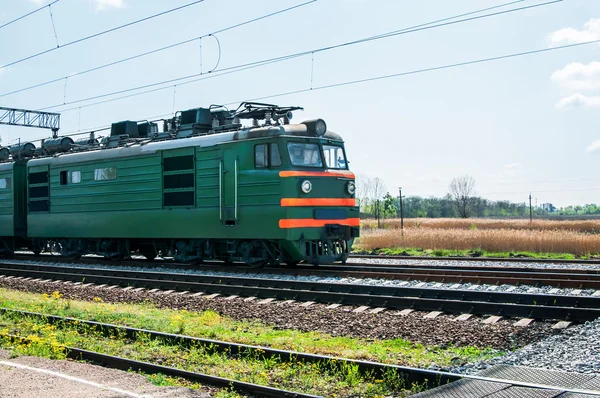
x: 351, y: 187
x: 306, y: 186
x: 316, y: 126
x: 320, y: 127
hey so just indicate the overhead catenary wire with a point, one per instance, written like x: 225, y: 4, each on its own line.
x: 102, y: 33
x: 237, y: 68
x: 28, y: 14
x: 417, y: 71
x: 205, y: 77
x: 424, y: 70
x: 180, y: 43
x: 541, y: 191
x: 219, y: 58
x: 53, y: 26
x: 519, y: 183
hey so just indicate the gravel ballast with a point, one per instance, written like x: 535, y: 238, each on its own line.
x: 441, y: 331
x: 474, y: 263
x: 577, y: 349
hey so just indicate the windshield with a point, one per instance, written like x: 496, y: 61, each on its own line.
x: 334, y: 157
x: 307, y: 155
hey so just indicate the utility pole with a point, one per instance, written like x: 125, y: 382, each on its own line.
x: 401, y: 212
x: 530, y: 211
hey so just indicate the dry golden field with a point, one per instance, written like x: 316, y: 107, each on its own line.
x: 580, y: 238
x: 590, y: 226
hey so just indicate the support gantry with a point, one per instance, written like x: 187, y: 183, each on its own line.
x: 29, y: 118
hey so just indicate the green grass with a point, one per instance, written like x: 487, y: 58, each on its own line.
x: 467, y: 253
x: 329, y: 378
x: 168, y: 381
x: 209, y: 324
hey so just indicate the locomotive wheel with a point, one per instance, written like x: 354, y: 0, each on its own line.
x: 37, y: 247
x: 149, y: 254
x: 115, y: 256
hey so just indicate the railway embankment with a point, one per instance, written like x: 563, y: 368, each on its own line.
x: 327, y: 378
x: 432, y: 340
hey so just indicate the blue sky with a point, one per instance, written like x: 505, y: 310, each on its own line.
x: 519, y: 125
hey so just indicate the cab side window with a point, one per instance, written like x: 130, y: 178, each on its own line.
x: 260, y: 156
x: 274, y: 156
x: 266, y: 155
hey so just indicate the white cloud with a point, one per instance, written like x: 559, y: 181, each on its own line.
x: 432, y: 177
x: 578, y: 100
x: 108, y: 4
x: 594, y: 147
x: 98, y: 4
x: 578, y: 76
x: 508, y: 171
x: 590, y: 31
x: 513, y: 166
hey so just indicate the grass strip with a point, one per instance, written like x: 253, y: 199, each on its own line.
x: 319, y: 378
x: 373, y: 368
x: 416, y: 252
x: 211, y: 325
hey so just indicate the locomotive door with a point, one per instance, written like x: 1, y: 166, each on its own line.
x: 229, y: 188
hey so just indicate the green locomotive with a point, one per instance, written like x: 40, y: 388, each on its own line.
x: 204, y: 188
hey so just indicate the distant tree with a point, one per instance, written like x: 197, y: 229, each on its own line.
x: 379, y: 188
x: 369, y: 194
x: 461, y: 190
x: 448, y: 210
x: 364, y: 188
x: 389, y: 206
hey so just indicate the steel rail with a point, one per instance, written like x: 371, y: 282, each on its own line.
x: 115, y: 362
x: 515, y: 269
x: 380, y: 268
x: 353, y: 266
x: 480, y: 259
x: 495, y: 276
x: 561, y: 278
x: 430, y: 274
x: 537, y: 306
x: 431, y: 377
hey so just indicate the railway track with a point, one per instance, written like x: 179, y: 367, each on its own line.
x: 411, y: 376
x: 490, y: 259
x: 557, y: 278
x: 561, y: 278
x: 536, y: 306
x: 125, y: 364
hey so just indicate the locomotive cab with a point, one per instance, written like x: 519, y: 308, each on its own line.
x: 318, y: 197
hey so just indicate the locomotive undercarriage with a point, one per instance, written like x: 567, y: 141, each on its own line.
x: 251, y: 252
